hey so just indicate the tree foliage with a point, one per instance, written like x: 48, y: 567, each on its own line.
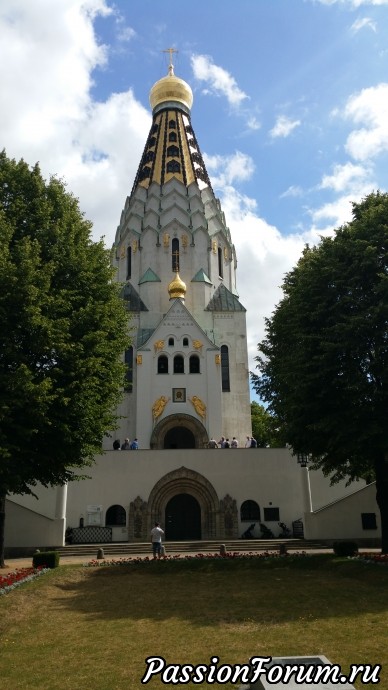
x: 324, y: 361
x: 265, y: 427
x: 62, y: 330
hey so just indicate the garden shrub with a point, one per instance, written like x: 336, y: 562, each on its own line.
x: 45, y: 559
x: 345, y: 548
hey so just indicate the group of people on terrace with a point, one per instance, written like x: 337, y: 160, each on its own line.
x: 225, y: 443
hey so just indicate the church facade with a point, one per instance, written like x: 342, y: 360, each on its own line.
x: 187, y: 382
x: 188, y: 375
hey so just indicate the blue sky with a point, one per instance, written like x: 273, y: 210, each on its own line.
x: 290, y: 111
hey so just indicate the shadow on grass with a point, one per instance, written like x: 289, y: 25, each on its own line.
x: 207, y: 592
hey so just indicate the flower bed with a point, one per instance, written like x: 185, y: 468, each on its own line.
x: 18, y: 577
x: 374, y: 558
x: 232, y: 555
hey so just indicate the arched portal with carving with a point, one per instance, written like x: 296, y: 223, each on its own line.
x: 189, y: 433
x: 186, y: 481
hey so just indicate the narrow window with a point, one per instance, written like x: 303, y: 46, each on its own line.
x: 194, y: 364
x: 173, y: 167
x: 129, y: 262
x: 115, y: 516
x: 225, y: 368
x: 173, y: 151
x: 128, y: 360
x: 175, y: 255
x: 162, y: 364
x: 368, y: 521
x: 172, y: 136
x: 171, y: 342
x: 271, y: 514
x: 172, y: 124
x: 220, y: 263
x: 185, y: 342
x: 179, y: 366
x: 250, y: 511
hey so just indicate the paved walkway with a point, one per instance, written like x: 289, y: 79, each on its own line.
x: 13, y: 563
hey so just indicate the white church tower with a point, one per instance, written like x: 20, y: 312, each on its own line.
x: 188, y: 377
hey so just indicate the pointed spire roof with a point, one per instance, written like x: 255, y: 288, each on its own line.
x: 172, y: 149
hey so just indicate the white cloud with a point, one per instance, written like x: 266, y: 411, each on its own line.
x: 346, y: 176
x: 283, y: 126
x: 47, y: 113
x: 226, y: 170
x: 369, y: 109
x: 361, y: 23
x: 354, y: 3
x: 217, y: 79
x: 292, y: 191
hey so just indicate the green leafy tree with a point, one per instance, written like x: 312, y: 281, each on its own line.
x: 265, y: 427
x: 324, y: 362
x: 62, y: 330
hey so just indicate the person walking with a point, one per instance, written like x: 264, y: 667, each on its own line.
x: 156, y: 540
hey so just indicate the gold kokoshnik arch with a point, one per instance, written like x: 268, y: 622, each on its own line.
x: 186, y: 421
x: 186, y: 481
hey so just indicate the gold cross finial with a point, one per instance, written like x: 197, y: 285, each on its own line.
x: 171, y: 66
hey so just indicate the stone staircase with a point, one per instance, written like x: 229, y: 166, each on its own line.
x: 114, y: 549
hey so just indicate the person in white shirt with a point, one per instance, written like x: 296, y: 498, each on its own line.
x: 156, y: 540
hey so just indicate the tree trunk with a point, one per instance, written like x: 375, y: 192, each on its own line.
x: 381, y: 468
x: 2, y: 526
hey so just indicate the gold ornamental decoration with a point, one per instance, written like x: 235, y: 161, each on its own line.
x: 139, y: 359
x: 199, y: 406
x: 184, y: 241
x: 159, y: 405
x: 166, y: 240
x: 158, y: 345
x: 217, y: 359
x: 214, y: 247
x: 197, y: 344
x: 134, y: 246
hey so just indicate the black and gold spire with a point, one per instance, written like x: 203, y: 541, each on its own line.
x: 171, y: 150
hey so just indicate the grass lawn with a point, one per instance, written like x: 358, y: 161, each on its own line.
x: 78, y: 628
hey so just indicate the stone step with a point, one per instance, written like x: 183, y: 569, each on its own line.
x: 128, y: 549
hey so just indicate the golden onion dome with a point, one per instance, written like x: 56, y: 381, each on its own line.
x: 171, y: 89
x: 177, y: 288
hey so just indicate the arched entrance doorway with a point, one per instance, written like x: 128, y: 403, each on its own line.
x: 179, y: 437
x: 183, y: 518
x: 193, y: 486
x: 179, y: 431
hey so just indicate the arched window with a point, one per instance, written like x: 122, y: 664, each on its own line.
x: 220, y: 263
x: 128, y: 360
x: 194, y: 364
x: 129, y: 262
x: 152, y: 141
x: 172, y: 124
x: 162, y: 364
x: 116, y: 516
x: 171, y: 342
x: 225, y: 368
x: 175, y: 255
x: 173, y: 167
x: 179, y: 365
x: 172, y: 136
x: 250, y: 511
x: 185, y: 342
x: 155, y: 128
x: 150, y: 156
x: 173, y: 151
